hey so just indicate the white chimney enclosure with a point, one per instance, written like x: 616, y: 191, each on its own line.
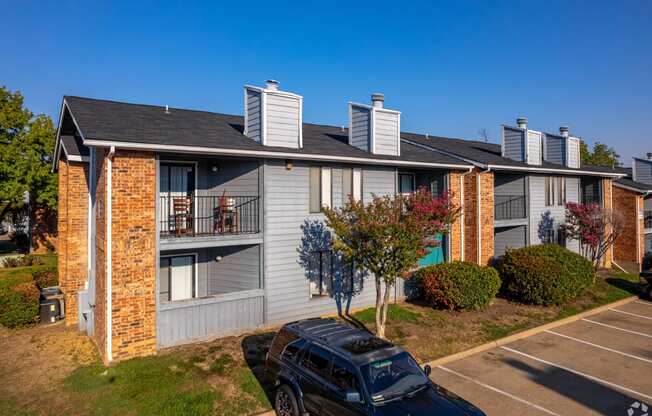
x: 375, y: 129
x: 273, y: 117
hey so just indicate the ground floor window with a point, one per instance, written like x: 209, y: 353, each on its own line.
x: 329, y: 274
x: 178, y: 277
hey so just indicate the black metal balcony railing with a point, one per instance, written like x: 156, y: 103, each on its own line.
x: 647, y: 219
x: 509, y: 207
x: 182, y: 216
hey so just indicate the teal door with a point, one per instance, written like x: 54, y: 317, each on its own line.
x: 435, y: 254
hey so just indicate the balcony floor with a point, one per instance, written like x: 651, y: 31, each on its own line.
x: 204, y: 241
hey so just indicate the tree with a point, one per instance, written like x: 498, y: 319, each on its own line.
x: 594, y: 227
x: 26, y: 147
x: 484, y: 135
x: 388, y: 236
x: 602, y: 155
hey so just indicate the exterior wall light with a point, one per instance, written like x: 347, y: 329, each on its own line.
x: 288, y: 164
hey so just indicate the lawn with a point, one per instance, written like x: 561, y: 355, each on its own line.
x: 59, y: 366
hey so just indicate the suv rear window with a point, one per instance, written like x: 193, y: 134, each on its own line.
x: 317, y: 360
x: 281, y: 340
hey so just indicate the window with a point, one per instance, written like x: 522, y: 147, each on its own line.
x: 317, y: 361
x: 330, y: 273
x: 291, y: 352
x: 555, y: 189
x: 405, y: 183
x: 320, y: 188
x: 343, y: 376
x: 178, y: 278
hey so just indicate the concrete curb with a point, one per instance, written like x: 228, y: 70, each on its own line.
x: 515, y: 337
x: 527, y: 333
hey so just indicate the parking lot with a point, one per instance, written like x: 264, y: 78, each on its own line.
x: 600, y: 365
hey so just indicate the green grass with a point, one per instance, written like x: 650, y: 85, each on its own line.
x: 163, y: 385
x: 493, y: 331
x: 10, y: 407
x: 221, y: 364
x: 14, y: 275
x: 396, y: 313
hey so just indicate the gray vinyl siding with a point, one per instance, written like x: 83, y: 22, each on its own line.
x: 542, y: 215
x: 254, y: 115
x: 198, y: 319
x: 648, y: 243
x: 534, y: 148
x: 282, y: 121
x: 643, y: 170
x: 555, y: 149
x: 572, y: 195
x: 647, y: 203
x: 514, y: 147
x: 509, y: 237
x: 386, y: 133
x: 377, y: 181
x: 286, y: 212
x: 361, y: 128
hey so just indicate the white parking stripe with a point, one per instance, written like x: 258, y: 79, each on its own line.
x: 570, y: 370
x: 632, y: 314
x: 643, y: 303
x: 511, y: 396
x: 636, y: 357
x: 629, y: 331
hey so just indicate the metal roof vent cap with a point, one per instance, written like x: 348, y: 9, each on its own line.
x: 564, y: 131
x: 378, y: 99
x: 271, y: 84
x: 521, y: 122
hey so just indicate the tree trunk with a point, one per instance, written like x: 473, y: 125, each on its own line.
x: 380, y: 326
x: 379, y: 309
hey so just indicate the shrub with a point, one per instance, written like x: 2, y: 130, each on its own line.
x: 46, y: 278
x: 28, y: 260
x: 545, y: 274
x: 19, y: 304
x: 458, y: 285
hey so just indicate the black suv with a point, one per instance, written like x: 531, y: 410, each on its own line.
x: 323, y: 367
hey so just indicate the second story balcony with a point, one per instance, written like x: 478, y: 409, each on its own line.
x: 509, y: 207
x: 208, y: 215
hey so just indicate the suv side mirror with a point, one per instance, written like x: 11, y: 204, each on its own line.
x: 353, y: 396
x: 427, y: 369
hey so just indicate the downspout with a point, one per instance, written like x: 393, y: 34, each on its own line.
x: 109, y: 277
x: 463, y: 205
x: 479, y: 217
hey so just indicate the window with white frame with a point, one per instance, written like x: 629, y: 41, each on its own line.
x: 351, y: 184
x: 406, y: 183
x: 178, y: 279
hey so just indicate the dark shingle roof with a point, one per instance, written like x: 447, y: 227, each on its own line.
x: 73, y: 146
x: 490, y: 153
x: 640, y: 186
x: 137, y: 123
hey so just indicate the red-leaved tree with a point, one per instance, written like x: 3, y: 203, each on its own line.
x: 388, y: 236
x: 595, y: 227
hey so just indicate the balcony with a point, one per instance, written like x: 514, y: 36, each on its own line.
x: 509, y: 207
x: 208, y: 215
x: 647, y: 219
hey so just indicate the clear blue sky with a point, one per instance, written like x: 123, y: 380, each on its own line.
x: 451, y: 68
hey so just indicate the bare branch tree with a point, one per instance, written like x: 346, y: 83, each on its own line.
x: 484, y: 134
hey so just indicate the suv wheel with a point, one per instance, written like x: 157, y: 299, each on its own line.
x: 285, y: 402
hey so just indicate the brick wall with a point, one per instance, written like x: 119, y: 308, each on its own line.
x: 72, y: 228
x: 456, y: 228
x: 99, y: 323
x: 471, y: 236
x: 133, y: 254
x: 628, y: 251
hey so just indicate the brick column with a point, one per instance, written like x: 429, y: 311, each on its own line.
x: 627, y: 249
x: 483, y: 235
x: 73, y: 233
x: 455, y: 236
x: 133, y: 254
x: 607, y: 195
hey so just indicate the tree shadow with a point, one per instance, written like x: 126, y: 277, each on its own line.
x: 545, y: 226
x: 628, y: 286
x: 328, y: 273
x: 254, y: 349
x: 591, y: 394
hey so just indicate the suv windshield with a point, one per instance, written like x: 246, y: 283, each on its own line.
x: 393, y: 377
